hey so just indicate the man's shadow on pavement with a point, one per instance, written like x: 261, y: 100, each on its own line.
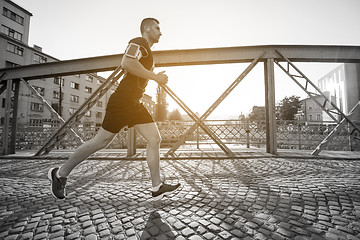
x: 157, y: 228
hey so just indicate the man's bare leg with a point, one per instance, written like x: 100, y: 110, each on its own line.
x: 100, y: 141
x: 151, y: 134
x: 58, y: 176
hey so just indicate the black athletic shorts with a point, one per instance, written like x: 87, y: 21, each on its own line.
x: 121, y: 112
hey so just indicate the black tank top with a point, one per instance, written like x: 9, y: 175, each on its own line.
x: 131, y: 86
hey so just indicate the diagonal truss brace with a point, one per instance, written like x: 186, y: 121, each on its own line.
x: 328, y: 138
x: 197, y: 120
x: 3, y: 87
x: 51, y: 109
x: 313, y: 95
x: 214, y: 105
x: 2, y: 76
x: 99, y: 93
x: 83, y: 109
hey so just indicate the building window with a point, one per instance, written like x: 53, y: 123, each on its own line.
x: 15, y: 49
x: 99, y: 104
x: 56, y: 94
x: 74, y: 98
x: 13, y: 16
x: 75, y: 85
x: 56, y: 107
x: 3, y: 103
x: 98, y: 114
x: 88, y: 89
x: 37, y: 107
x: 11, y: 33
x: 88, y: 114
x: 318, y: 117
x: 89, y: 78
x: 310, y: 117
x: 40, y: 90
x: 39, y: 59
x: 57, y: 81
x: 36, y: 122
x: 72, y: 111
x: 11, y: 64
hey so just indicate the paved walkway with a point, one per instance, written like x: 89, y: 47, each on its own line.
x: 247, y: 198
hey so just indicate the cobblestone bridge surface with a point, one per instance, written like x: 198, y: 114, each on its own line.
x: 261, y: 198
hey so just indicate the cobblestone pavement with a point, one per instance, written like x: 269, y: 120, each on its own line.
x: 262, y: 198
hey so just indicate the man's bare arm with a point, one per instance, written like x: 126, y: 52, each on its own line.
x: 133, y: 66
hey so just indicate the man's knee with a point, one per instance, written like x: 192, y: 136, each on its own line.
x: 102, y: 140
x: 154, y: 140
x: 104, y: 143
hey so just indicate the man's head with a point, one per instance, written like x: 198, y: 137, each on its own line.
x: 150, y: 27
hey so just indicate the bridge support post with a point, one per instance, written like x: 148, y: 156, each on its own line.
x: 270, y: 113
x: 6, y: 149
x: 14, y: 116
x: 131, y: 142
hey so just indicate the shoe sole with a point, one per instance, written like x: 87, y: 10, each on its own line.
x: 165, y: 194
x: 159, y: 197
x: 51, y: 181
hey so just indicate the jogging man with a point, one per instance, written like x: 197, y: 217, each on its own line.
x: 125, y: 109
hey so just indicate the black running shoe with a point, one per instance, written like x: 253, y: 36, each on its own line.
x: 165, y: 188
x: 57, y: 185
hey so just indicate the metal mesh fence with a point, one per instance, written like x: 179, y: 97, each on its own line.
x: 290, y: 135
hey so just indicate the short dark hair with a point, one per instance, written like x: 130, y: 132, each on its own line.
x: 147, y: 21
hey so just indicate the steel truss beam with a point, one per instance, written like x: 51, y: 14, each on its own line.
x: 328, y: 138
x: 99, y: 93
x: 214, y: 105
x: 345, y: 54
x: 83, y: 109
x: 296, y: 53
x: 300, y: 76
x: 51, y: 109
x: 198, y: 121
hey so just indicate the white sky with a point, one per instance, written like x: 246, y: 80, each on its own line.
x: 70, y: 29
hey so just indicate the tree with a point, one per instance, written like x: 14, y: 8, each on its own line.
x: 289, y: 106
x: 161, y: 105
x: 175, y: 115
x: 257, y: 113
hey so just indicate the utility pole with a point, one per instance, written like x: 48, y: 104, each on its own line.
x: 60, y: 97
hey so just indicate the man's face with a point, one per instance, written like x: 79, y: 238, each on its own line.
x: 154, y: 32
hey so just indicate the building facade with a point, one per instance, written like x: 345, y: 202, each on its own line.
x: 311, y: 112
x: 65, y: 94
x: 342, y: 86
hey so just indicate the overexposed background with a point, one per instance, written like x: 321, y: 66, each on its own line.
x: 71, y: 29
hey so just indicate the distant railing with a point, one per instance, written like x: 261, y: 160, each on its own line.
x: 290, y: 135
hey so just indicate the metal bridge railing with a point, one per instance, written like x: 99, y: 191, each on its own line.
x: 290, y: 135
